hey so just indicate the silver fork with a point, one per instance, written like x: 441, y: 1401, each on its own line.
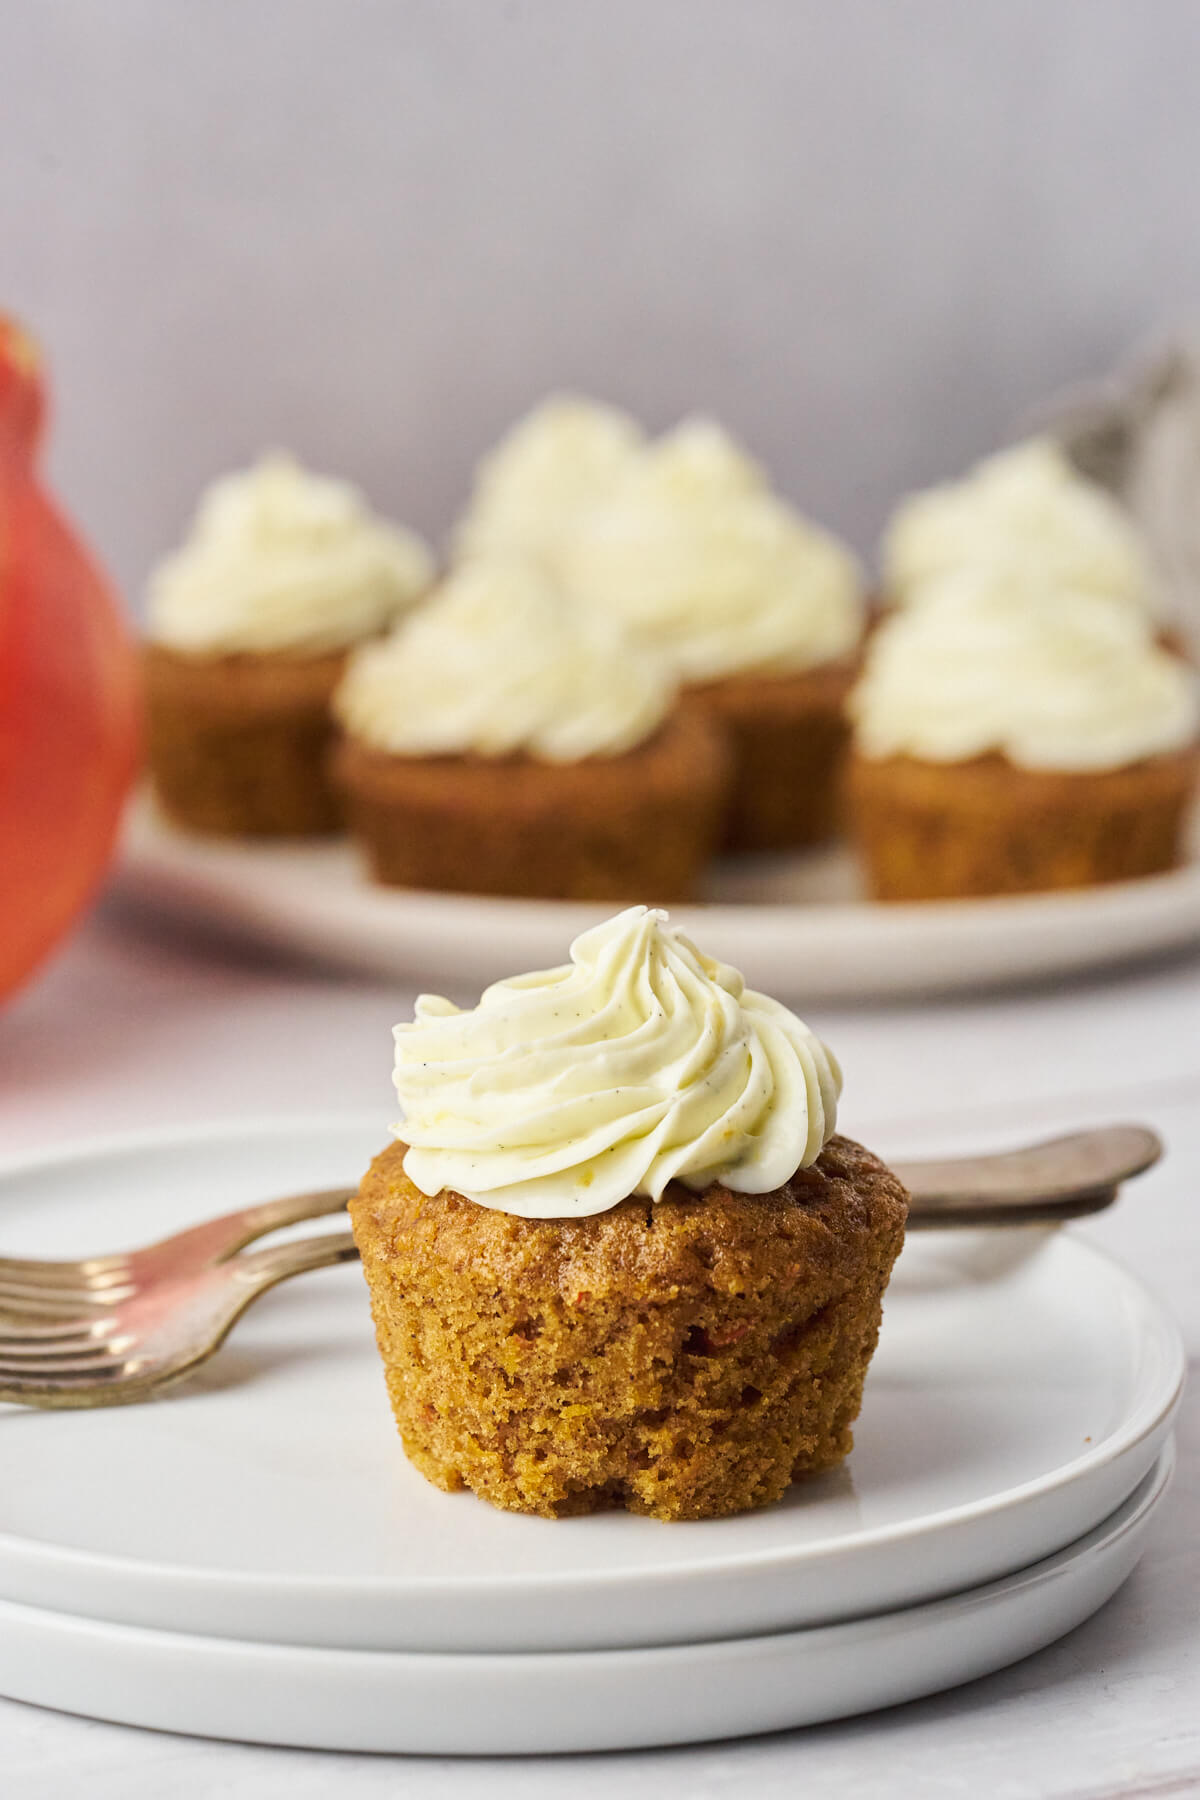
x: 110, y: 1330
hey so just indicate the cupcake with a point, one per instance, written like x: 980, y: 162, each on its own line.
x: 1029, y: 516
x: 617, y: 1256
x: 759, y: 612
x: 544, y: 476
x: 500, y: 742
x: 249, y: 624
x: 1011, y: 738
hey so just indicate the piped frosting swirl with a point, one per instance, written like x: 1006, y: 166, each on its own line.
x: 1026, y: 513
x: 496, y: 663
x: 544, y: 476
x: 638, y: 1063
x: 1054, y: 680
x: 700, y: 561
x: 279, y: 559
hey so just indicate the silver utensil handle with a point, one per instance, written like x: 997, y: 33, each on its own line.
x: 1064, y: 1177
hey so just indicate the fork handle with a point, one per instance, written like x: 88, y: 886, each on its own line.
x: 1058, y: 1179
x: 1061, y: 1177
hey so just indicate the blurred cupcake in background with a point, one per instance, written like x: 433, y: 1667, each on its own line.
x: 249, y: 626
x: 545, y: 475
x: 1027, y: 513
x: 502, y: 742
x: 1012, y: 737
x: 759, y: 612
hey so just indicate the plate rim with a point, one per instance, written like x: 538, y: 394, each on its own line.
x: 1149, y: 1417
x: 153, y: 873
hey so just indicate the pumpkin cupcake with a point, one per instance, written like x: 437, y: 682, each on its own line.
x: 1011, y: 739
x: 500, y: 742
x: 249, y: 625
x: 618, y: 1256
x: 760, y: 613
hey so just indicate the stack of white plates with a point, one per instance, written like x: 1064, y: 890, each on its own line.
x: 253, y: 1557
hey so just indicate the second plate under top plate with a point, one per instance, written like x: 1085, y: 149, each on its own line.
x: 1022, y: 1387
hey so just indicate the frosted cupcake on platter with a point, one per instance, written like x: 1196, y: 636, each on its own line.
x: 249, y: 625
x: 618, y: 1256
x: 1029, y: 515
x: 760, y: 612
x: 1011, y: 738
x: 502, y: 742
x: 543, y: 477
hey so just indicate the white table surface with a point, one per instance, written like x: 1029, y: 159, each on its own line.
x: 128, y: 1029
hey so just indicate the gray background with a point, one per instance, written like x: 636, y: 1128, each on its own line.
x: 869, y: 234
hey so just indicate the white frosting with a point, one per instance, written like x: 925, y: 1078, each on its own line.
x: 544, y: 476
x: 1028, y: 512
x: 1050, y: 678
x: 497, y: 662
x: 639, y: 1063
x: 699, y: 561
x: 282, y: 560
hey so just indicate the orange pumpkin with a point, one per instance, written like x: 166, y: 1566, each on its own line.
x: 68, y: 693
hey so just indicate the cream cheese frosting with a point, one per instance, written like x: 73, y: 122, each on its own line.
x: 701, y: 562
x: 499, y: 662
x: 1026, y: 511
x: 546, y: 474
x: 1052, y: 680
x: 279, y: 559
x: 638, y: 1063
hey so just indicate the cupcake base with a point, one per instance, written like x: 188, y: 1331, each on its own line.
x: 789, y: 737
x: 638, y: 826
x: 686, y: 1360
x: 238, y: 745
x: 936, y: 831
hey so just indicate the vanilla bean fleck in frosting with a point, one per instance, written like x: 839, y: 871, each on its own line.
x: 281, y: 560
x: 497, y: 663
x: 1025, y: 512
x: 638, y: 1063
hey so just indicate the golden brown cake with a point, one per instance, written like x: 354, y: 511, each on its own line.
x: 499, y: 742
x: 685, y: 1359
x: 249, y: 625
x: 239, y: 745
x: 599, y: 829
x: 939, y: 831
x: 789, y: 735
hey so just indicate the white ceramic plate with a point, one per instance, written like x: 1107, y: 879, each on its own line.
x: 605, y: 1700
x: 794, y: 926
x: 1023, y: 1386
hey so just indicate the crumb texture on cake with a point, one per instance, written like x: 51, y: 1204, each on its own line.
x: 686, y: 1359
